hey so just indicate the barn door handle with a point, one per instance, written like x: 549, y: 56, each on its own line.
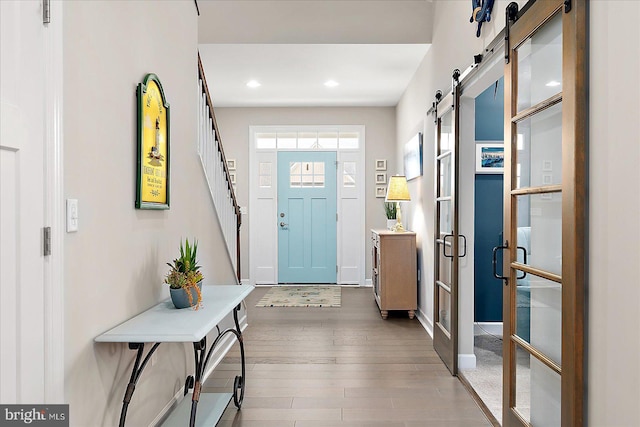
x: 464, y: 245
x: 444, y: 245
x: 494, y: 261
x: 524, y: 251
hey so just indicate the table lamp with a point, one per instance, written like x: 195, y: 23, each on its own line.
x: 398, y: 191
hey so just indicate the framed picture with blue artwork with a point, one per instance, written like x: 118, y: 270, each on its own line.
x: 413, y: 157
x: 489, y: 157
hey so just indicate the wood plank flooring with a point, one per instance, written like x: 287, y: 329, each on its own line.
x: 339, y: 367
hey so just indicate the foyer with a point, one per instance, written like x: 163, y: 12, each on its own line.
x: 326, y: 367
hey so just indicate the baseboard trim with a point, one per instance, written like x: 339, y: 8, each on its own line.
x: 368, y: 283
x: 225, y: 345
x: 426, y: 323
x: 484, y: 328
x: 466, y: 361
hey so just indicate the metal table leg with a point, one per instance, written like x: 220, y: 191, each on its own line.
x: 138, y: 367
x: 200, y: 349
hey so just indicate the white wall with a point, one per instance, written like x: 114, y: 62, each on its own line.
x: 380, y: 133
x: 614, y: 214
x: 115, y: 263
x: 614, y: 177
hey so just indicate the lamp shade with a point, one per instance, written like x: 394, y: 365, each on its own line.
x: 398, y: 190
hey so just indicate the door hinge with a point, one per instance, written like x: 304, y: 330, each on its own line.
x: 46, y: 11
x: 47, y: 241
x: 567, y: 6
x: 336, y: 268
x: 336, y: 217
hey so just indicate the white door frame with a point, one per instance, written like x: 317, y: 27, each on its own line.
x: 346, y: 223
x: 487, y: 72
x: 54, y: 209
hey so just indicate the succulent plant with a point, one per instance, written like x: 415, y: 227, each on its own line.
x: 185, y: 272
x: 188, y: 260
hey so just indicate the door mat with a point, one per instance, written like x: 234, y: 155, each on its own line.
x: 302, y: 296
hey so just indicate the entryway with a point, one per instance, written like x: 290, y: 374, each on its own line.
x: 307, y: 196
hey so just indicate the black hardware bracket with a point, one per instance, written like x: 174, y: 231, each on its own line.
x: 511, y: 16
x: 456, y: 77
x: 438, y: 97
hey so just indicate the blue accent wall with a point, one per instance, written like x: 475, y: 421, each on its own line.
x: 489, y: 126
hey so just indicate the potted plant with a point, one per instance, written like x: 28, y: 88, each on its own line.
x: 390, y: 210
x: 184, y: 278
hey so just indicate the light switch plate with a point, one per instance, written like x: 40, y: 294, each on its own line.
x: 72, y: 215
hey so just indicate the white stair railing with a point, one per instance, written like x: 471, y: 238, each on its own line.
x: 215, y: 167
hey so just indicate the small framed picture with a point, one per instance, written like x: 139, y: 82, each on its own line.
x: 547, y: 179
x: 489, y: 157
x: 381, y: 178
x: 381, y: 165
x: 232, y: 176
x: 381, y: 191
x: 231, y: 164
x: 413, y: 157
x: 547, y: 166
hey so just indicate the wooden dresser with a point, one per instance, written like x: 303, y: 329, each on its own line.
x: 394, y: 273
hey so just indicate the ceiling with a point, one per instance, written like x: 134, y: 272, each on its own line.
x: 371, y: 48
x: 294, y: 74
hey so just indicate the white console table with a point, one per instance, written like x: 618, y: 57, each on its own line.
x: 165, y: 323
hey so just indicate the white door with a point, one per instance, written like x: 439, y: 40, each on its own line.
x: 22, y: 202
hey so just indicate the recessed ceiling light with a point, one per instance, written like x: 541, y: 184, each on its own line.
x: 331, y: 83
x: 553, y: 83
x: 253, y: 84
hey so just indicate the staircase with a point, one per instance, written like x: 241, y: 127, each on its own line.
x: 215, y: 167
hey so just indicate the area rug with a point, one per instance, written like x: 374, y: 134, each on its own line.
x: 302, y: 296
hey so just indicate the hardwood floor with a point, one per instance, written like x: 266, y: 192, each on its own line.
x: 338, y: 367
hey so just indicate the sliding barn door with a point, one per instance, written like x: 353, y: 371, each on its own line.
x: 545, y: 215
x: 446, y: 242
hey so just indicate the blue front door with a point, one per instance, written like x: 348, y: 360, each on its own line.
x: 306, y: 217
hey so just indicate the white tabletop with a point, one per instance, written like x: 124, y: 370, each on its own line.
x: 165, y: 323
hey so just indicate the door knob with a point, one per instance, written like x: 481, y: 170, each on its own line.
x: 282, y: 224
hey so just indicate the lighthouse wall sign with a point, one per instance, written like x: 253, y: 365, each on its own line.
x: 152, y: 183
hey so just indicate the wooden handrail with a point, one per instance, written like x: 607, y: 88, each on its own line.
x: 234, y: 200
